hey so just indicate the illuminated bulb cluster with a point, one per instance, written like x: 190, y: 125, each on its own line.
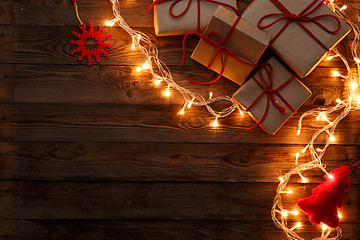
x: 141, y: 42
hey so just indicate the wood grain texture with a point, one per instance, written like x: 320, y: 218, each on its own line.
x: 162, y: 200
x: 98, y: 153
x: 168, y: 161
x: 149, y: 123
x: 161, y: 230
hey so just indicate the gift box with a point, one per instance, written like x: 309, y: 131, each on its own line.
x: 303, y: 31
x: 230, y: 46
x: 176, y: 17
x: 272, y: 96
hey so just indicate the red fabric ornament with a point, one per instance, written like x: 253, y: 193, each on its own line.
x: 327, y: 198
x: 95, y: 35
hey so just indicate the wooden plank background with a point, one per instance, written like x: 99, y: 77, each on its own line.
x: 98, y: 153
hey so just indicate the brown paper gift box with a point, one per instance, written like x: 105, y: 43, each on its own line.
x: 294, y: 45
x: 294, y: 92
x: 246, y: 42
x: 166, y: 25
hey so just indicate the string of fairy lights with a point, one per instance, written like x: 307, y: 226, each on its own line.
x: 161, y: 75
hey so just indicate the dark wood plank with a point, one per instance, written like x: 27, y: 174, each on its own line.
x: 50, y: 45
x: 148, y: 123
x: 7, y: 160
x: 160, y: 230
x: 162, y: 200
x: 7, y: 43
x: 6, y: 83
x: 135, y: 12
x: 167, y: 161
x: 6, y: 12
x: 7, y: 122
x: 119, y: 84
x: 9, y: 193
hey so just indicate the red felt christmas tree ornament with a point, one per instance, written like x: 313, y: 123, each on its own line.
x: 327, y: 198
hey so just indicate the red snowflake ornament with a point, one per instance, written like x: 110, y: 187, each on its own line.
x: 91, y: 34
x: 327, y: 198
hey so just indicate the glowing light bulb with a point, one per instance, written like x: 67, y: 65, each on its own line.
x: 297, y: 158
x: 340, y: 215
x: 210, y: 95
x: 145, y: 66
x: 157, y: 82
x: 357, y: 99
x: 330, y: 176
x: 343, y: 8
x: 287, y: 191
x: 321, y: 117
x: 357, y: 60
x: 319, y: 150
x: 329, y: 58
x: 167, y: 92
x: 215, y: 123
x: 182, y: 111
x: 281, y: 179
x: 110, y: 22
x: 336, y: 74
x: 332, y: 138
x: 133, y: 45
x: 324, y: 227
x: 295, y: 212
x: 339, y: 101
x: 241, y: 112
x: 297, y: 225
x: 190, y: 104
x: 303, y: 179
x: 304, y: 149
x: 298, y: 132
x: 353, y: 86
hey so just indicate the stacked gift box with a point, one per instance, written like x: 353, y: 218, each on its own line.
x: 300, y: 34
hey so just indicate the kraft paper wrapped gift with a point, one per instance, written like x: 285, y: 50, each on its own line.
x: 167, y: 25
x: 297, y: 48
x: 246, y: 42
x: 284, y: 90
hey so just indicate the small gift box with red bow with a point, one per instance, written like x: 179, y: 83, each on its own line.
x: 230, y: 46
x: 176, y: 17
x: 303, y: 31
x: 272, y: 96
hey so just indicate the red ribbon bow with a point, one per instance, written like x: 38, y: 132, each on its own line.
x: 220, y: 50
x: 188, y: 6
x: 270, y: 92
x: 303, y: 16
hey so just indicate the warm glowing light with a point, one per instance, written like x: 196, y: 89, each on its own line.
x: 295, y: 212
x: 241, y: 112
x: 157, y: 82
x: 284, y: 213
x: 353, y: 86
x: 288, y: 191
x: 357, y: 60
x: 190, y: 103
x: 330, y: 176
x: 304, y: 180
x: 297, y: 158
x: 110, y: 23
x: 339, y: 101
x: 336, y: 74
x: 298, y: 132
x: 319, y: 150
x: 357, y: 99
x: 297, y: 225
x: 167, y: 92
x: 182, y: 111
x: 332, y: 138
x: 324, y: 227
x: 343, y: 8
x: 281, y: 179
x: 322, y: 117
x: 210, y: 95
x: 304, y: 149
x: 329, y: 58
x: 215, y: 123
x: 145, y: 66
x: 340, y: 215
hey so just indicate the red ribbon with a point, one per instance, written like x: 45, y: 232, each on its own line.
x: 220, y: 50
x: 270, y: 92
x: 188, y: 6
x: 303, y: 16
